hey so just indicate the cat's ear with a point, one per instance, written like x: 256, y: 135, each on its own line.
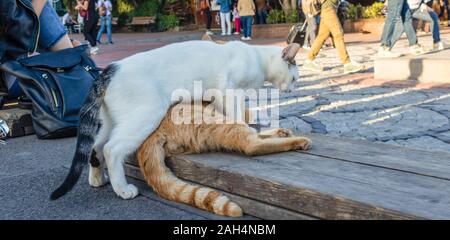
x: 289, y: 52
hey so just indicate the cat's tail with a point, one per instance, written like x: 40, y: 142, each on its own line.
x: 87, y: 130
x: 151, y: 157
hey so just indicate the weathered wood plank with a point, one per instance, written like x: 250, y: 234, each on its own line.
x: 436, y: 164
x: 333, y: 181
x: 18, y: 120
x: 252, y: 207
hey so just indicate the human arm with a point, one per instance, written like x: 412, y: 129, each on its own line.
x: 82, y: 5
x: 38, y: 5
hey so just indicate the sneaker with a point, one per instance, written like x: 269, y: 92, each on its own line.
x: 209, y: 32
x: 417, y: 49
x: 306, y: 47
x: 228, y: 34
x: 223, y: 34
x: 236, y: 33
x: 94, y: 50
x: 440, y: 46
x: 245, y: 38
x: 353, y: 67
x: 385, y: 52
x: 312, y: 66
x: 111, y: 42
x: 249, y: 38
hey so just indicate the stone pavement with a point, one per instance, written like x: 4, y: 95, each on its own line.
x: 403, y: 113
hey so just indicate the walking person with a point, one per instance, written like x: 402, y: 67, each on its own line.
x: 104, y: 10
x: 90, y: 22
x: 205, y: 10
x: 225, y: 16
x: 261, y: 11
x: 246, y: 9
x: 420, y: 10
x: 329, y: 24
x: 312, y: 18
x: 398, y: 10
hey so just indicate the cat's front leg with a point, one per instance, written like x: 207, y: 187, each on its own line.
x: 276, y: 133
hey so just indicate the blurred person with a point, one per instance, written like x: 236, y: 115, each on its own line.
x: 330, y: 25
x: 104, y: 10
x: 246, y: 9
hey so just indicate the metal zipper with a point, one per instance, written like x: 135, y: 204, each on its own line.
x: 38, y: 23
x: 55, y: 104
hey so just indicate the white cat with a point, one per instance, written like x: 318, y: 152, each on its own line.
x: 132, y: 96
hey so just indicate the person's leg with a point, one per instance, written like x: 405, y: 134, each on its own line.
x: 109, y: 28
x: 249, y: 26
x: 323, y: 34
x: 53, y: 36
x: 244, y: 24
x: 208, y: 19
x: 434, y: 26
x: 264, y: 15
x: 408, y: 24
x: 398, y: 31
x: 332, y: 21
x: 228, y: 21
x: 237, y: 22
x: 222, y: 22
x: 312, y: 28
x: 102, y: 28
x: 89, y: 28
x: 394, y: 9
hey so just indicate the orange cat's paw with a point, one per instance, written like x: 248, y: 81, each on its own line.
x: 284, y: 132
x: 303, y: 144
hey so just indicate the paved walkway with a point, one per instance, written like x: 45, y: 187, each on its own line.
x: 356, y: 106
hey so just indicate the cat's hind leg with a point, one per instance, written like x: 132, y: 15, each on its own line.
x: 244, y: 139
x: 130, y: 130
x: 97, y: 173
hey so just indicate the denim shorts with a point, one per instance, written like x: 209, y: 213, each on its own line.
x: 52, y: 28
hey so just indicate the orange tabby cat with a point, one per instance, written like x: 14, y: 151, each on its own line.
x: 171, y: 139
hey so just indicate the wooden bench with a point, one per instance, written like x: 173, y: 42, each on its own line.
x: 142, y: 22
x: 18, y: 120
x: 337, y: 179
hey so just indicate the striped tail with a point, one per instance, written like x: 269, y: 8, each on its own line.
x: 87, y: 130
x: 151, y: 157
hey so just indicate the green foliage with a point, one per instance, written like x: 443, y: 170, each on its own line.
x: 167, y: 22
x: 124, y: 7
x: 373, y: 11
x: 276, y: 16
x: 148, y: 8
x: 356, y: 12
x: 280, y: 16
x: 292, y: 17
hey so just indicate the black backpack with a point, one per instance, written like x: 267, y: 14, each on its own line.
x: 297, y: 34
x: 57, y: 84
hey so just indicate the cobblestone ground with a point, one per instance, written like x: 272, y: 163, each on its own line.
x: 356, y: 106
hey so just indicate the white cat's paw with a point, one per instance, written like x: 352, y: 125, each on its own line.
x: 128, y: 192
x: 98, y: 180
